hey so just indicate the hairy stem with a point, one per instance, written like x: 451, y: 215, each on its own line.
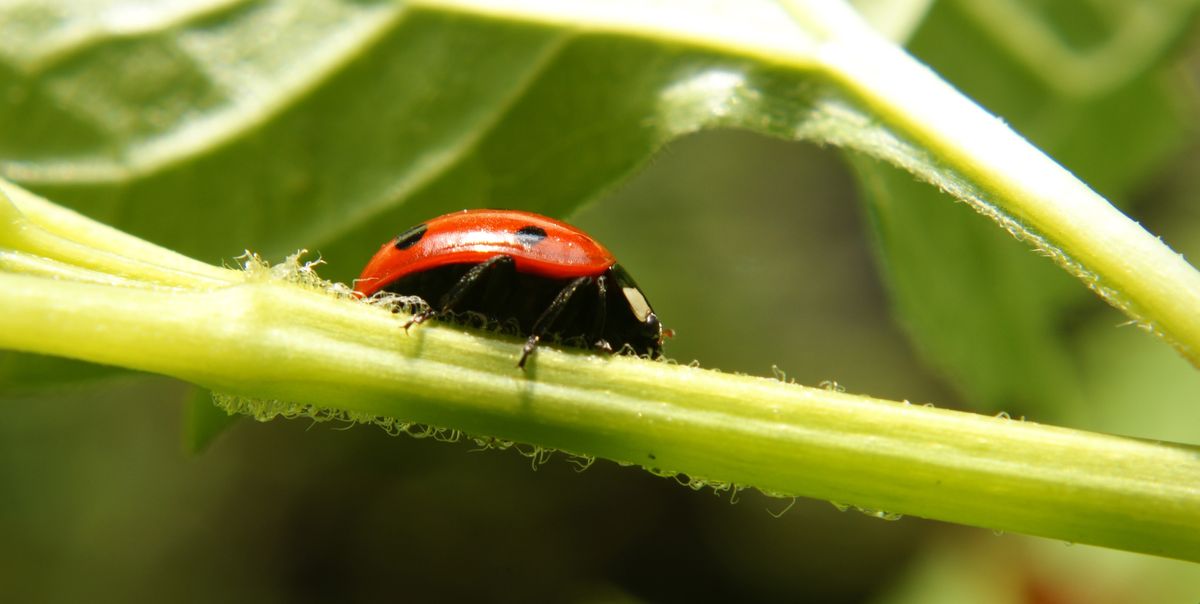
x: 276, y: 341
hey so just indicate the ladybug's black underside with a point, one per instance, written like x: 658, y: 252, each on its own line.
x: 504, y: 294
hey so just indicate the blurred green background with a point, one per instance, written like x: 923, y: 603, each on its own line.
x: 759, y: 252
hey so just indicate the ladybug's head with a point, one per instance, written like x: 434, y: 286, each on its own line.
x: 642, y: 329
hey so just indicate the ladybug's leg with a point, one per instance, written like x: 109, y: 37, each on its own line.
x: 460, y: 289
x: 473, y: 276
x: 597, y: 335
x: 544, y: 322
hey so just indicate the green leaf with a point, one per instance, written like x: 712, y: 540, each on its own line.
x: 990, y: 313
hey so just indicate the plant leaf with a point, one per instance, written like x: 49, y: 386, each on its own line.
x: 350, y: 121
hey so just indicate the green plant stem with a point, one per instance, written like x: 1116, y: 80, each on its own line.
x: 276, y: 341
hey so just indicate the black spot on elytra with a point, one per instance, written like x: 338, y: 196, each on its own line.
x: 529, y: 236
x: 410, y: 237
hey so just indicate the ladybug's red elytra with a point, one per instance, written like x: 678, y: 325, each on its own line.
x: 548, y: 276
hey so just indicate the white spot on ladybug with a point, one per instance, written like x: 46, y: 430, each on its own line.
x: 637, y: 303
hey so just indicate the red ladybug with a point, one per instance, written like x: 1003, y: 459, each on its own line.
x: 548, y: 276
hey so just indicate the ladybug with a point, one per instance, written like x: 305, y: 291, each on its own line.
x: 548, y: 276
